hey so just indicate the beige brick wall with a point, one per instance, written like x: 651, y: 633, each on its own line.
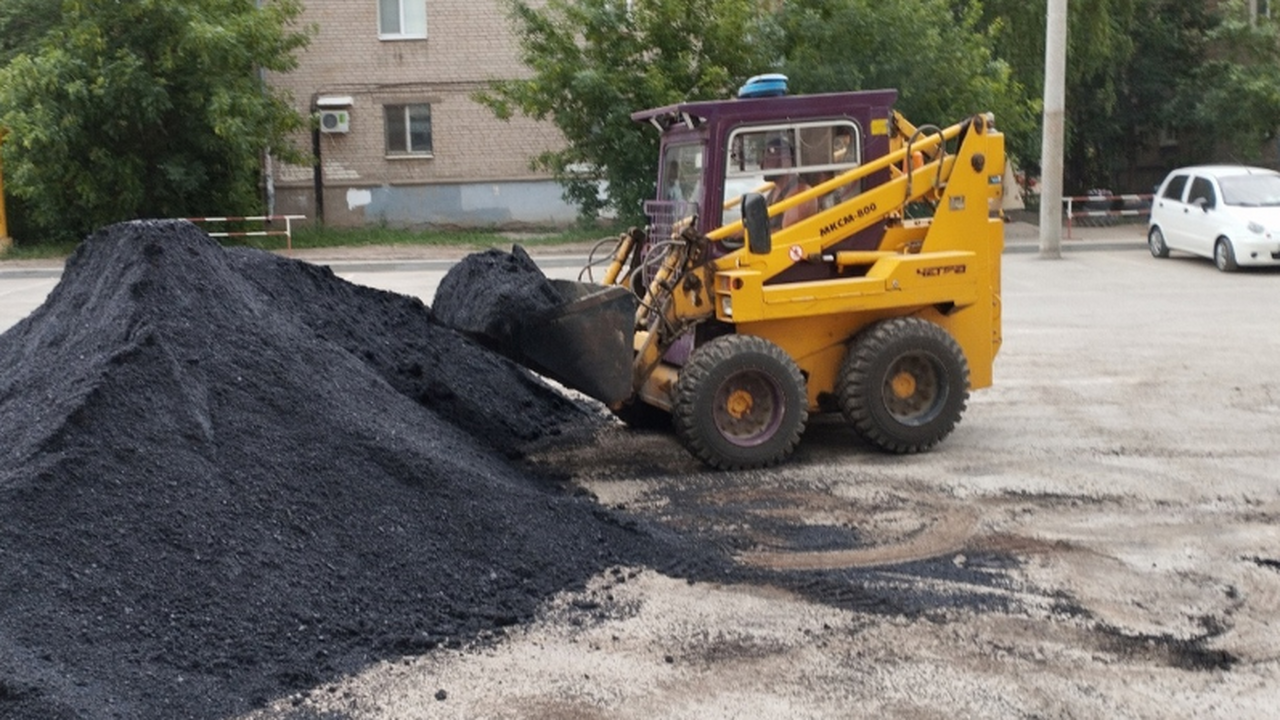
x: 468, y: 43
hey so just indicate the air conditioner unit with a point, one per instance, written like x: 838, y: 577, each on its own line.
x: 335, y: 121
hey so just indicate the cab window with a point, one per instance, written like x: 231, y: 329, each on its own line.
x: 682, y: 174
x: 813, y: 152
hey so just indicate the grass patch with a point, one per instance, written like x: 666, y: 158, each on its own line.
x: 37, y: 251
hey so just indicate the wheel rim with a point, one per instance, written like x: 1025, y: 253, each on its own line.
x: 1220, y: 255
x: 748, y: 408
x: 913, y: 390
x: 1156, y: 241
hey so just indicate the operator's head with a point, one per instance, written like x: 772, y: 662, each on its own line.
x: 777, y: 155
x: 842, y: 146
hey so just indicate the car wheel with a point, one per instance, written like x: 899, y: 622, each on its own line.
x: 1224, y: 256
x: 740, y: 402
x: 1155, y: 241
x: 903, y: 385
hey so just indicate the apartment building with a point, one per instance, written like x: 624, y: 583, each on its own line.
x: 400, y: 141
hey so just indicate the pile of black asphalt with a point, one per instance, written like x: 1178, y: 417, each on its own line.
x: 226, y: 476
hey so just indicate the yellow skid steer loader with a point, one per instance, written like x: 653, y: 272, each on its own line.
x: 806, y: 254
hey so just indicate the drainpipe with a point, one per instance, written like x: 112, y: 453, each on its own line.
x: 317, y: 171
x: 5, y: 241
x: 268, y: 171
x: 268, y: 167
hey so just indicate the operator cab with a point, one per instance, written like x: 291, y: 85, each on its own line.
x: 766, y: 142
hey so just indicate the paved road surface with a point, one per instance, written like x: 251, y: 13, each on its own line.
x: 1115, y: 495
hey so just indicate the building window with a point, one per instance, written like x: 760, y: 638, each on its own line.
x: 402, y: 19
x: 408, y: 129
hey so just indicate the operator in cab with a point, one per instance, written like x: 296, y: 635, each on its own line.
x: 777, y: 162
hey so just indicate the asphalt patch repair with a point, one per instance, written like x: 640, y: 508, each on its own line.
x: 227, y: 476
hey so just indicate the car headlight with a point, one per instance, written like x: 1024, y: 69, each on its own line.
x: 1256, y: 228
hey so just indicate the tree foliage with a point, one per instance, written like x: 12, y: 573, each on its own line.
x: 594, y: 62
x: 147, y: 108
x: 1232, y: 99
x: 1151, y: 84
x: 936, y: 54
x: 1170, y: 39
x: 1099, y: 45
x: 22, y: 24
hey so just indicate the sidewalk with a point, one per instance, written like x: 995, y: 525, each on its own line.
x: 1025, y: 237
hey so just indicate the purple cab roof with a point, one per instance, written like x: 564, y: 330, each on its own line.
x: 771, y: 108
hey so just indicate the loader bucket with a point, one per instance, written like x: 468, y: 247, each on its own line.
x: 586, y: 343
x: 578, y: 334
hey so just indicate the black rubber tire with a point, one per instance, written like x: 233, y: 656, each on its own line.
x: 1155, y: 242
x: 1224, y: 256
x: 740, y: 402
x: 903, y: 385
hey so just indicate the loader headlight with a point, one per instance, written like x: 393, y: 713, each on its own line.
x: 1256, y: 228
x: 726, y: 305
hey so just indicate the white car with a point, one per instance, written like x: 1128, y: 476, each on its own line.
x: 1230, y: 213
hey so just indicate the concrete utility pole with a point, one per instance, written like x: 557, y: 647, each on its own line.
x: 1051, y: 152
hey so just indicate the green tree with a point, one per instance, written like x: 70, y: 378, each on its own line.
x: 1151, y: 84
x: 22, y: 24
x: 594, y: 62
x: 147, y: 108
x: 1170, y: 40
x: 937, y: 56
x: 1099, y: 46
x: 1232, y: 99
